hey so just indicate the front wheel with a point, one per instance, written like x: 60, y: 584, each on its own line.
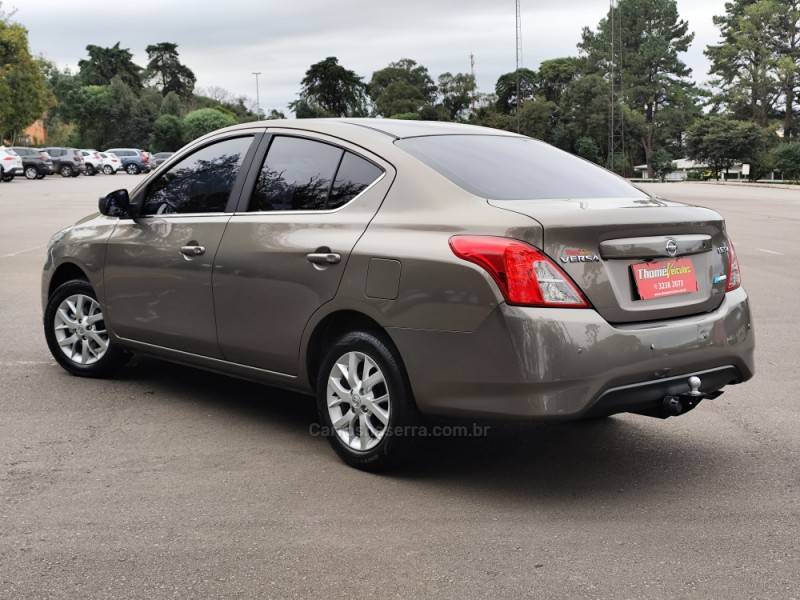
x: 108, y: 170
x: 76, y: 332
x: 66, y: 171
x: 364, y: 401
x: 31, y: 173
x: 90, y: 170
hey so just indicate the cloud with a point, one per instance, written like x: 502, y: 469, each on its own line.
x: 224, y: 42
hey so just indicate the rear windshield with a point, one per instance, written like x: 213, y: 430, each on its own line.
x: 515, y: 168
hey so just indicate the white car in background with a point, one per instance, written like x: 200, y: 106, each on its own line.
x: 111, y: 163
x: 93, y: 161
x: 10, y: 164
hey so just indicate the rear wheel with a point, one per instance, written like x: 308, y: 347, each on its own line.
x: 76, y: 333
x: 108, y: 170
x: 31, y: 173
x: 132, y: 169
x: 66, y: 171
x: 364, y: 402
x: 90, y: 170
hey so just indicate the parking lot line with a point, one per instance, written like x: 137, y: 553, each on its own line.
x: 13, y: 254
x: 769, y: 251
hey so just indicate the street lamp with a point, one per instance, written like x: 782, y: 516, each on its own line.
x: 258, y: 94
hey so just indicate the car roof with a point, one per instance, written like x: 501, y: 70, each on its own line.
x: 391, y: 128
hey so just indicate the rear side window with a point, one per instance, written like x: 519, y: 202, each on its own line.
x: 201, y: 182
x: 515, y: 168
x: 354, y: 176
x: 302, y: 174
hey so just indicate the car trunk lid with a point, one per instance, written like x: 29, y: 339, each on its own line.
x: 607, y: 244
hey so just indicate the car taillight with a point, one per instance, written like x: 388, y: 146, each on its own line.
x: 7, y: 157
x: 734, y: 272
x: 525, y: 275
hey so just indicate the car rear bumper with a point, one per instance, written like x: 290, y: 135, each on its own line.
x: 566, y: 363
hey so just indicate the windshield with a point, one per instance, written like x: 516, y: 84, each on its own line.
x: 515, y: 168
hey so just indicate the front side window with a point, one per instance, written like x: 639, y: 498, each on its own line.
x: 201, y: 182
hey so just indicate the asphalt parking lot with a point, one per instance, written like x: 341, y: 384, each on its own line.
x: 171, y: 482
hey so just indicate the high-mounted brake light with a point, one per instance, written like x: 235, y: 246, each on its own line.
x: 525, y: 275
x: 734, y: 272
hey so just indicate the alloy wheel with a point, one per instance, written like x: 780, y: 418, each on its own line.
x: 31, y: 173
x: 358, y: 401
x: 80, y: 329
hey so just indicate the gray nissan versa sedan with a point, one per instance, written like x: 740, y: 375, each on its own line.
x: 396, y: 269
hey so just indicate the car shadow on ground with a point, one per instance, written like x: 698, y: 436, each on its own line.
x: 522, y: 461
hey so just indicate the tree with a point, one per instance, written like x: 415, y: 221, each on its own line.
x: 200, y: 122
x: 555, y: 75
x: 171, y: 105
x: 402, y: 87
x: 537, y: 119
x: 167, y: 133
x: 786, y: 159
x: 586, y: 147
x: 506, y: 89
x: 456, y: 93
x: 662, y: 163
x: 164, y: 66
x: 104, y: 64
x: 24, y: 92
x: 337, y: 91
x: 647, y: 59
x: 720, y: 142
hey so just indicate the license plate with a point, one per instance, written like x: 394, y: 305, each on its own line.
x: 664, y: 278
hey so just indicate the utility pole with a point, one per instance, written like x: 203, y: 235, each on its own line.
x: 616, y: 120
x: 472, y: 72
x: 258, y: 94
x: 519, y: 57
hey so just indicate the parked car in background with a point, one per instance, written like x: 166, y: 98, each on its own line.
x: 397, y: 267
x: 92, y: 161
x: 111, y: 163
x: 134, y: 161
x: 10, y: 164
x: 160, y: 158
x: 35, y: 163
x: 67, y: 162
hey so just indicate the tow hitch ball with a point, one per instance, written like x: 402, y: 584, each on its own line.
x: 674, y: 405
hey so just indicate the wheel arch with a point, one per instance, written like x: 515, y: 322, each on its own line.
x: 65, y: 272
x: 334, y: 325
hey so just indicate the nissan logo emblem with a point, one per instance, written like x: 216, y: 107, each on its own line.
x: 672, y: 248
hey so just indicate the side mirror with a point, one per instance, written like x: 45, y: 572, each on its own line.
x: 116, y: 204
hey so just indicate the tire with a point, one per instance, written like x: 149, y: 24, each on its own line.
x: 393, y: 419
x: 108, y: 170
x: 65, y: 171
x: 75, y: 298
x: 132, y: 169
x: 40, y: 176
x: 90, y: 170
x: 31, y: 173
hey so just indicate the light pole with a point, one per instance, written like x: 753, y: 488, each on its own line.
x: 258, y: 94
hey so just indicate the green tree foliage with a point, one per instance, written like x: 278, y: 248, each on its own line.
x: 401, y: 87
x: 786, y: 159
x: 165, y: 68
x: 168, y: 134
x: 651, y: 70
x: 200, y: 122
x: 330, y: 89
x: 720, y: 142
x: 104, y: 64
x: 662, y: 163
x: 24, y: 93
x: 456, y: 93
x: 171, y: 105
x: 586, y: 147
x: 506, y: 89
x: 555, y: 75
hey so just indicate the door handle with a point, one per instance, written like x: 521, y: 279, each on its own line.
x: 193, y: 250
x: 324, y: 258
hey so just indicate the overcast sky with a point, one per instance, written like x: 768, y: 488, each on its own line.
x: 224, y: 41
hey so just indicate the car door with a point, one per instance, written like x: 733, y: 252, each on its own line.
x: 157, y: 276
x: 284, y: 251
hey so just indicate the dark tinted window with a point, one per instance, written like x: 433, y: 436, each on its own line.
x: 200, y: 183
x: 296, y: 175
x: 511, y: 168
x: 354, y: 176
